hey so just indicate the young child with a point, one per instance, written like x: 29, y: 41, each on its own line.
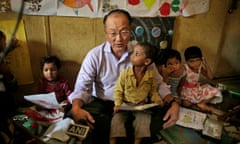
x: 8, y: 83
x: 135, y: 86
x: 172, y: 71
x: 192, y: 91
x: 52, y: 81
x: 8, y: 87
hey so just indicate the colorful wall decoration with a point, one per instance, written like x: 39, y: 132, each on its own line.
x: 98, y: 8
x: 156, y: 30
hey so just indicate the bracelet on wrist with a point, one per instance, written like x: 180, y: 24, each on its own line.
x: 172, y: 101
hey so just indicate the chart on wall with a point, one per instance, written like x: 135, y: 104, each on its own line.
x: 156, y: 30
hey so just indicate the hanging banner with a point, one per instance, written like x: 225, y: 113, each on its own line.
x: 98, y: 8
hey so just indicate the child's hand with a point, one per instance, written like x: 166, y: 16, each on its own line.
x: 15, y: 43
x: 206, y: 70
x: 166, y: 70
x: 204, y: 62
x: 116, y: 109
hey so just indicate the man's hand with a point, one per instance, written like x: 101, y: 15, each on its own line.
x: 81, y: 114
x: 172, y: 115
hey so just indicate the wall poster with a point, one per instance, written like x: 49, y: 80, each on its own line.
x: 156, y: 30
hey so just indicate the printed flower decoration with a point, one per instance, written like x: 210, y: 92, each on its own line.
x: 134, y: 2
x: 167, y: 7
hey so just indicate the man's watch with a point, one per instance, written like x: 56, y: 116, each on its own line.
x: 174, y: 100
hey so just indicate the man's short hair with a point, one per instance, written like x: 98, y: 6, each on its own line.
x: 126, y: 13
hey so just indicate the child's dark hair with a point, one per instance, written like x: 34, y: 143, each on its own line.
x: 50, y: 59
x: 117, y: 11
x: 170, y: 53
x: 2, y: 34
x: 150, y: 50
x: 192, y: 52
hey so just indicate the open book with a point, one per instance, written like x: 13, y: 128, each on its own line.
x: 191, y: 118
x: 136, y: 108
x: 47, y: 101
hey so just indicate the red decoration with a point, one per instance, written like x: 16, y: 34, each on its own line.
x: 134, y: 2
x: 165, y: 9
x: 34, y: 125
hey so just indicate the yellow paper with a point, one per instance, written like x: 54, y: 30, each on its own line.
x: 18, y: 59
x: 149, y: 3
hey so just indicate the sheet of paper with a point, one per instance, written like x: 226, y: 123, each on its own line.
x: 58, y: 130
x: 139, y: 107
x: 47, y: 101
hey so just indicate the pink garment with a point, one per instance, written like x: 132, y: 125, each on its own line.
x: 193, y: 91
x: 61, y: 88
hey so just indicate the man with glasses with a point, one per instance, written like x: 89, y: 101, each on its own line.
x: 92, y: 98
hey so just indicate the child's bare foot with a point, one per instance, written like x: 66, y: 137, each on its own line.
x: 204, y: 107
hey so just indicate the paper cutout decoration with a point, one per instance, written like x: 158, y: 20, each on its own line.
x: 5, y: 6
x: 170, y: 8
x: 156, y: 32
x: 183, y: 7
x: 139, y: 30
x: 96, y: 8
x: 36, y: 7
x: 144, y: 8
x: 149, y: 3
x: 107, y: 6
x: 134, y: 2
x: 84, y: 8
x: 193, y: 7
x: 78, y: 3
